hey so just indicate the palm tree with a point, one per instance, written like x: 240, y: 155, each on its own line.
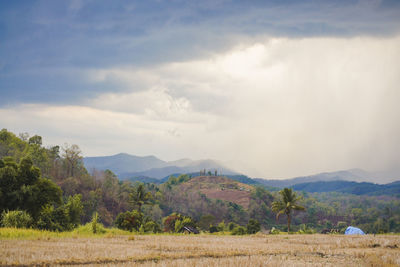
x: 286, y: 205
x: 139, y: 196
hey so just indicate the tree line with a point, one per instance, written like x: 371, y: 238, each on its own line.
x: 49, y: 188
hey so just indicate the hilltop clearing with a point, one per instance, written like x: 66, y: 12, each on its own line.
x: 217, y: 187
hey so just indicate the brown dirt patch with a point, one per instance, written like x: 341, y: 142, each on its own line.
x: 218, y: 187
x: 236, y: 196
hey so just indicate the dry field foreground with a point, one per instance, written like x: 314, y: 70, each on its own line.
x: 206, y: 250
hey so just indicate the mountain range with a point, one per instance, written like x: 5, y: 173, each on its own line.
x: 349, y: 187
x: 355, y: 175
x: 127, y: 166
x: 154, y: 170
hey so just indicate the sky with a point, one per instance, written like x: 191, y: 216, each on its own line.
x: 273, y: 89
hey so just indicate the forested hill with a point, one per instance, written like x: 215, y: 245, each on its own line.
x: 53, y: 186
x: 353, y: 175
x: 350, y: 188
x: 240, y: 178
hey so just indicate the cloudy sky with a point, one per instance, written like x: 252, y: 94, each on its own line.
x: 274, y: 89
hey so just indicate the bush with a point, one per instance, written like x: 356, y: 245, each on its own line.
x: 87, y: 229
x: 239, y: 230
x: 94, y: 222
x: 170, y: 221
x: 253, y: 226
x: 51, y: 218
x: 205, y: 221
x: 16, y: 219
x: 152, y: 227
x: 175, y: 222
x: 221, y: 226
x: 63, y: 218
x: 213, y: 229
x: 129, y: 220
x: 304, y: 229
x: 231, y: 226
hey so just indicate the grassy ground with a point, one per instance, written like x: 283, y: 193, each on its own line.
x: 82, y: 231
x: 199, y: 250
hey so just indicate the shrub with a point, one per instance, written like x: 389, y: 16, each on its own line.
x: 87, y: 229
x: 175, y: 222
x: 253, y: 226
x: 50, y: 218
x: 231, y: 226
x: 63, y: 218
x: 16, y: 219
x: 213, y: 229
x: 94, y: 222
x: 221, y: 226
x: 205, y: 221
x: 130, y: 220
x: 304, y: 229
x: 342, y: 225
x: 152, y: 227
x: 239, y: 230
x: 170, y: 221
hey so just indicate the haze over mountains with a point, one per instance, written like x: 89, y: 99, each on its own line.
x: 355, y: 175
x: 127, y: 166
x: 154, y: 170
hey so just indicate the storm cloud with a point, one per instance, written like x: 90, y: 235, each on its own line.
x: 274, y: 90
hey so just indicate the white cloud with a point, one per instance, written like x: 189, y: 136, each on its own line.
x: 280, y: 107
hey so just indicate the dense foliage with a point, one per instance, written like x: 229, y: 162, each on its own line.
x: 51, y: 186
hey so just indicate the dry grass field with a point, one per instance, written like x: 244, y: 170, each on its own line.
x: 204, y: 250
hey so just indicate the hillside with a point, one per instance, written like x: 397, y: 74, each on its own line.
x: 218, y: 187
x: 215, y: 197
x: 122, y: 163
x: 350, y: 187
x: 356, y: 175
x: 128, y: 166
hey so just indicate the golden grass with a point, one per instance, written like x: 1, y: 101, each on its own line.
x: 82, y: 231
x: 204, y: 250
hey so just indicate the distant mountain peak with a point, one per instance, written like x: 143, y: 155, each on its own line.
x: 355, y: 175
x: 128, y: 166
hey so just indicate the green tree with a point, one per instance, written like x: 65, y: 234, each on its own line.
x: 16, y: 219
x: 152, y: 227
x: 130, y: 220
x: 74, y: 208
x: 94, y: 222
x: 205, y: 221
x: 170, y: 220
x: 239, y: 230
x: 62, y: 218
x: 213, y: 229
x: 286, y: 205
x: 253, y: 226
x: 21, y: 187
x: 51, y: 218
x: 43, y: 192
x: 231, y: 226
x: 221, y: 226
x: 140, y: 196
